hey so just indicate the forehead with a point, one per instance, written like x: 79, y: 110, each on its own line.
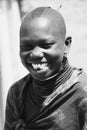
x: 39, y: 29
x: 47, y: 20
x: 40, y: 22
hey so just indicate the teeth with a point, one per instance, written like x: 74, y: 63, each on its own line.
x: 39, y: 66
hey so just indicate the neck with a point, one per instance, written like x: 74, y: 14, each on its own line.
x: 47, y: 86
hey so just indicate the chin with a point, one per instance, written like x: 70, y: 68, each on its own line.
x: 42, y: 76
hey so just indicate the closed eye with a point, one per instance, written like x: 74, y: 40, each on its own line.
x: 26, y: 47
x: 46, y: 45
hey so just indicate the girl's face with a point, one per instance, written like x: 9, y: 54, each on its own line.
x: 41, y: 48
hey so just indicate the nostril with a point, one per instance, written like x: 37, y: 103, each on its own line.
x: 36, y: 54
x: 41, y: 54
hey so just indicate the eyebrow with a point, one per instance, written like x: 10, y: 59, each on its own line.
x: 43, y: 41
x: 25, y: 39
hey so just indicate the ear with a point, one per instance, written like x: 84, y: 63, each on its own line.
x: 67, y: 45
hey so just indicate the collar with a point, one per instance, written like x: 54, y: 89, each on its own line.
x: 44, y: 88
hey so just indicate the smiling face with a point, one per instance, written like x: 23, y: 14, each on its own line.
x: 42, y: 46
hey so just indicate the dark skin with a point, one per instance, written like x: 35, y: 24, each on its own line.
x: 42, y: 43
x: 43, y: 46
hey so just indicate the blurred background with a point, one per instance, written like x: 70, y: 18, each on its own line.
x: 11, y: 14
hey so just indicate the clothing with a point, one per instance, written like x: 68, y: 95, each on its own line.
x: 59, y: 103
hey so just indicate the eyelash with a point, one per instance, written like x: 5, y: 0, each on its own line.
x: 26, y: 48
x: 30, y: 47
x: 46, y: 46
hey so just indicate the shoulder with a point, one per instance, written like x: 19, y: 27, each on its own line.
x: 82, y: 79
x: 81, y: 85
x: 18, y: 87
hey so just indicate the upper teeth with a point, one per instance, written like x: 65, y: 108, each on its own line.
x: 39, y: 66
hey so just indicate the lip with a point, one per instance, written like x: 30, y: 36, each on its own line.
x: 39, y: 66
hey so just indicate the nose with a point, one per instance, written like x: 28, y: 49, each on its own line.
x: 36, y: 52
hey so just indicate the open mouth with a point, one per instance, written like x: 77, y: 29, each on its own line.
x: 42, y: 66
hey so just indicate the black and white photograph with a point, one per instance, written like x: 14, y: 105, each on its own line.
x: 43, y: 64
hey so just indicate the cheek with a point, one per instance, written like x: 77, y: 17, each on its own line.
x: 23, y: 57
x: 57, y: 58
x: 59, y: 52
x: 24, y: 61
x: 56, y: 54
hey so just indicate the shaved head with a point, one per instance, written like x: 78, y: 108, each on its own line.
x: 45, y: 16
x: 42, y: 42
